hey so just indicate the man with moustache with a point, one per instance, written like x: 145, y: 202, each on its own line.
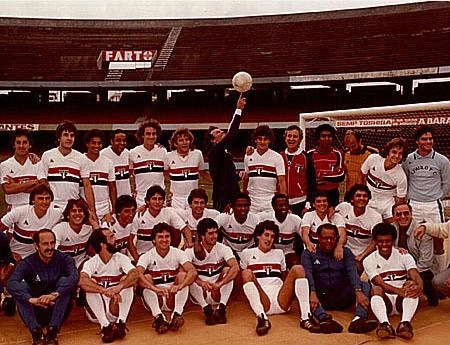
x: 42, y: 285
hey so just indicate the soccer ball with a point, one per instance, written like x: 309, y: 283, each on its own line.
x: 242, y: 81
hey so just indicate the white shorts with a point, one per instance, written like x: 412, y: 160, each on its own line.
x: 180, y: 202
x: 393, y: 298
x: 272, y: 292
x: 382, y: 206
x: 428, y: 212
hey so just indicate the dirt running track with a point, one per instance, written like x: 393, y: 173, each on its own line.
x: 431, y: 326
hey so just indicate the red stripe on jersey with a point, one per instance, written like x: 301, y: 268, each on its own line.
x: 108, y: 279
x: 62, y: 170
x: 23, y: 179
x: 263, y: 267
x: 25, y: 233
x: 355, y: 229
x: 210, y: 265
x: 162, y: 273
x: 184, y: 170
x: 263, y: 167
x: 148, y: 162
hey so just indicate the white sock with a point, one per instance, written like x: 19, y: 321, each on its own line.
x: 125, y: 305
x: 253, y: 297
x: 97, y: 304
x: 197, y: 292
x: 379, y: 308
x: 151, y: 299
x: 301, y: 289
x: 225, y: 292
x: 180, y: 300
x: 409, y: 308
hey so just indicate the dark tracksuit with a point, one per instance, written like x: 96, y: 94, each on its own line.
x: 34, y: 278
x: 334, y: 281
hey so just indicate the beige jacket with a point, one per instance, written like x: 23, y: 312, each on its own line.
x: 441, y: 230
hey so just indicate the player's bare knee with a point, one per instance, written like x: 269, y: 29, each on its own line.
x: 377, y: 291
x: 298, y: 271
x: 247, y: 276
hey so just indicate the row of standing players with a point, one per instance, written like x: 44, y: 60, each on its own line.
x: 263, y: 167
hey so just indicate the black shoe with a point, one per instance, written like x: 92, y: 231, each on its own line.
x: 107, y: 334
x: 330, y: 326
x: 221, y: 314
x: 8, y: 304
x: 52, y: 336
x: 310, y: 324
x: 405, y: 330
x: 385, y: 331
x: 177, y: 322
x: 80, y: 300
x: 360, y: 326
x: 120, y: 329
x: 38, y: 337
x: 160, y: 324
x: 263, y: 326
x: 209, y: 315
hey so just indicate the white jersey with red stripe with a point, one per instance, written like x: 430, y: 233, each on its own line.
x: 384, y: 184
x: 121, y: 169
x: 237, y: 236
x: 313, y: 221
x: 146, y: 223
x: 101, y: 172
x: 358, y: 228
x: 184, y: 172
x: 210, y: 268
x: 267, y: 267
x: 64, y: 174
x: 148, y: 169
x: 263, y: 171
x: 110, y: 273
x: 393, y: 271
x: 122, y: 233
x: 288, y: 228
x: 163, y: 269
x: 24, y: 222
x: 70, y: 242
x: 11, y: 168
x: 190, y: 221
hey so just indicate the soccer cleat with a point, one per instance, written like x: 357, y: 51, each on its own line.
x: 263, y: 325
x: 310, y: 324
x: 221, y: 314
x: 160, y: 324
x: 330, y: 326
x: 405, y: 330
x: 107, y: 334
x: 52, y: 336
x: 38, y: 337
x: 120, y: 329
x: 177, y: 322
x: 8, y: 304
x: 360, y: 326
x: 209, y: 315
x: 385, y: 331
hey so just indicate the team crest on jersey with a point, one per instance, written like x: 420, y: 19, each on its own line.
x: 299, y: 167
x: 95, y: 177
x: 268, y: 269
x: 185, y: 172
x: 150, y: 165
x: 165, y: 277
x: 259, y: 171
x: 63, y: 173
x: 210, y: 270
x: 121, y: 172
